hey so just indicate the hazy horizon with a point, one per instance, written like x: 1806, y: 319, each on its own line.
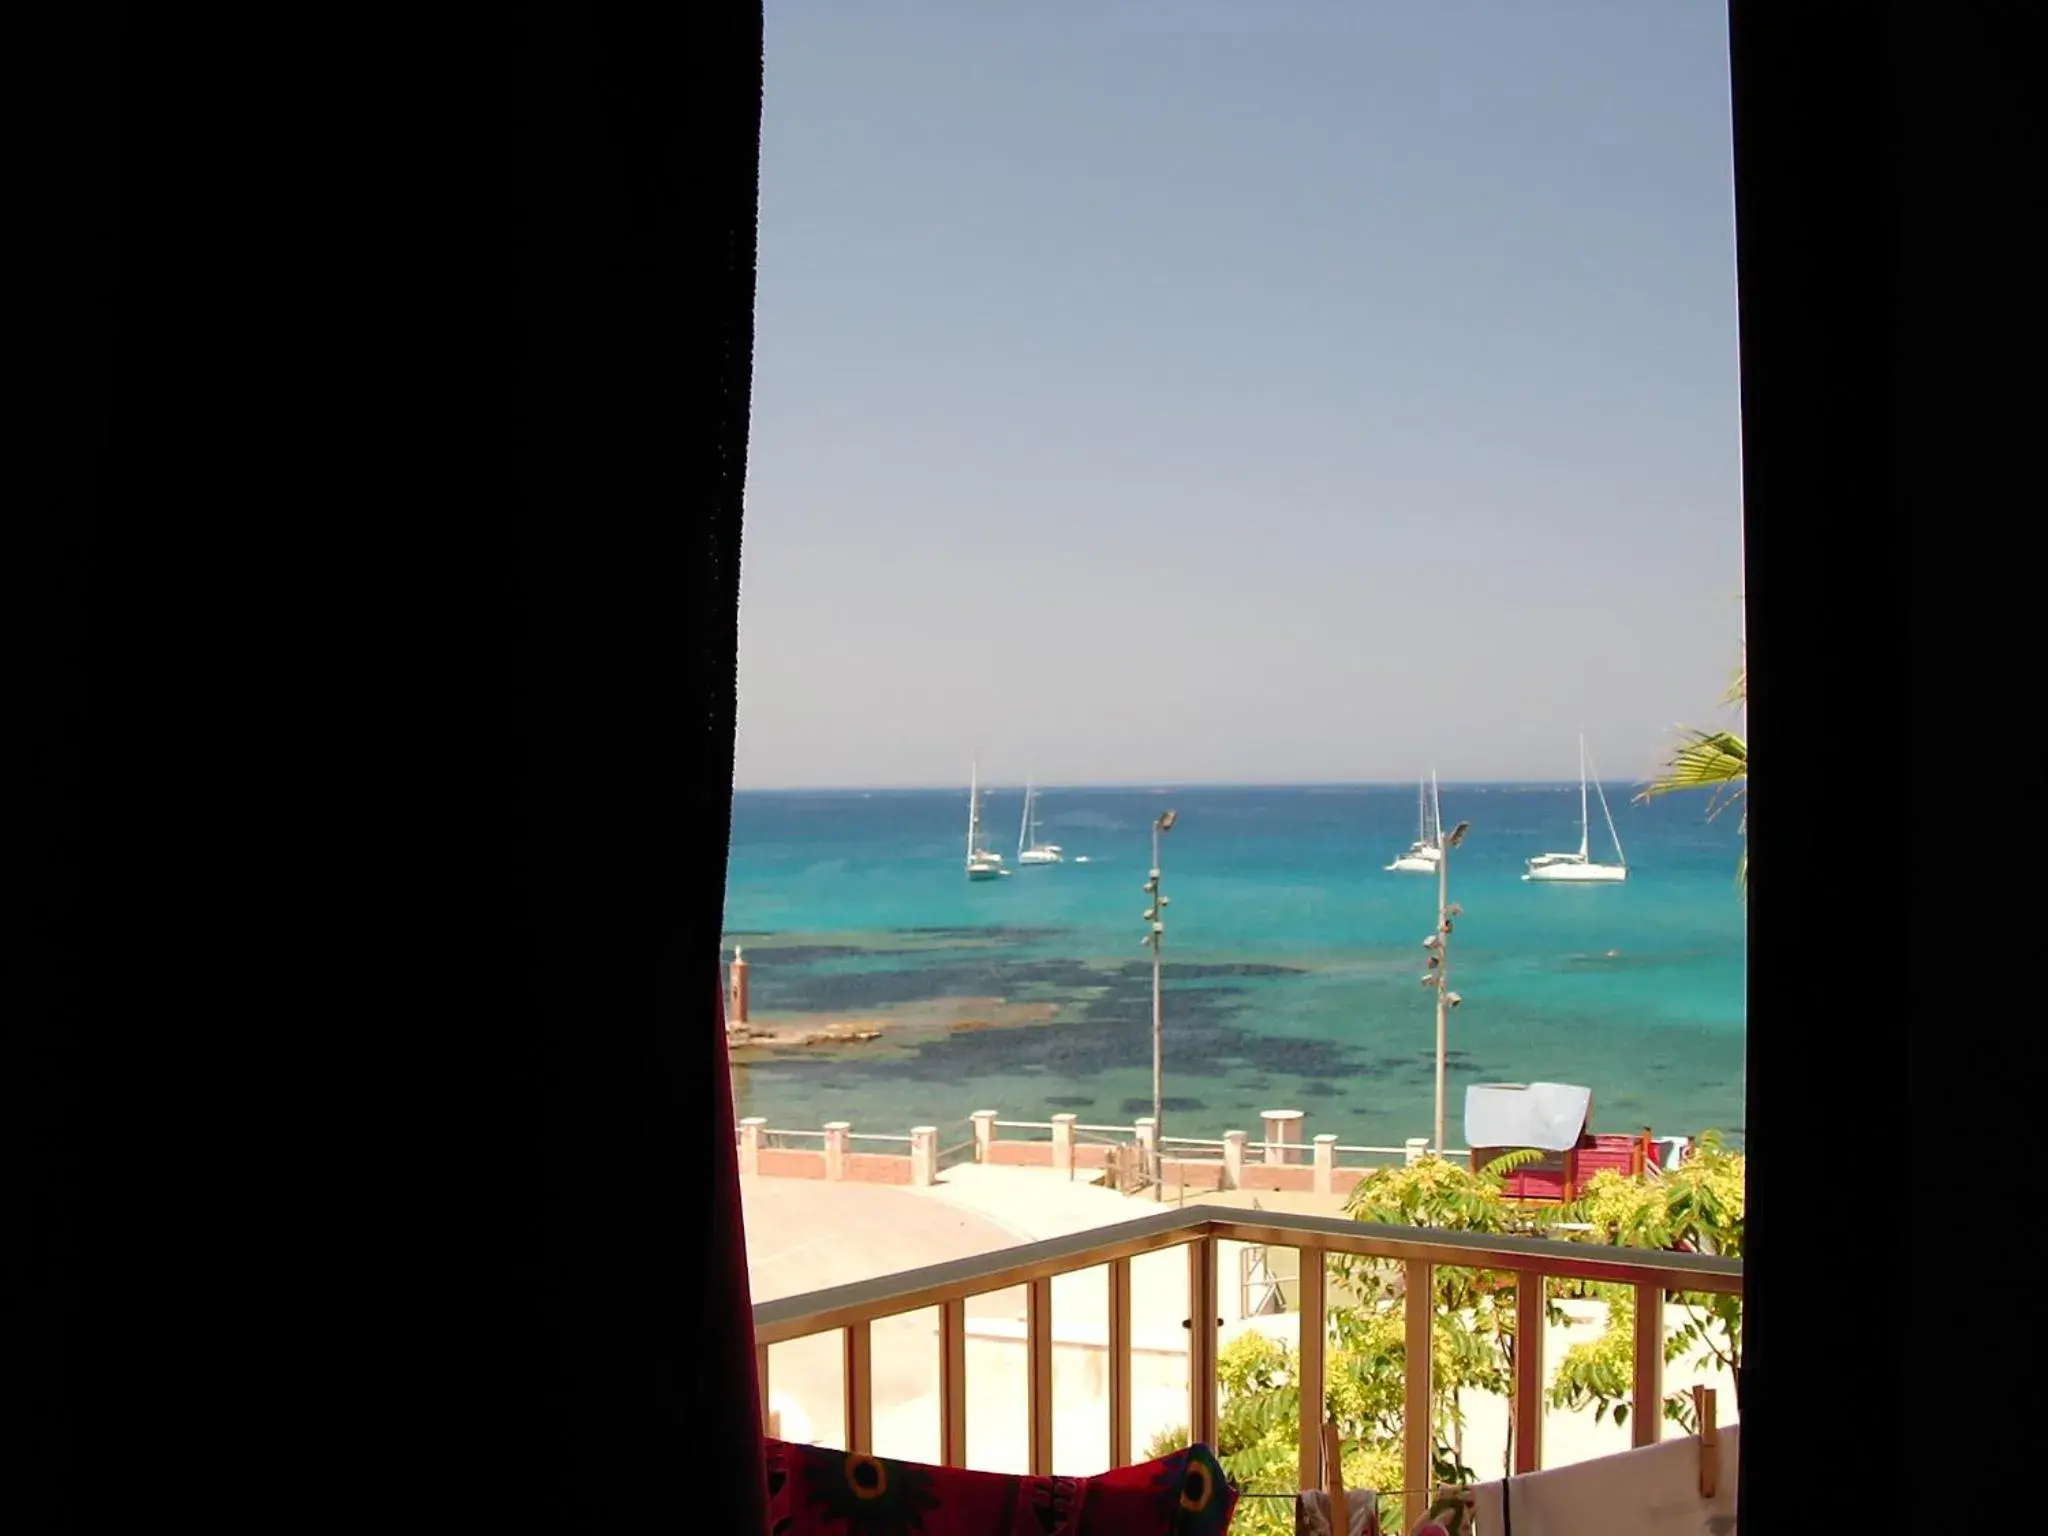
x: 1239, y: 395
x: 1167, y: 786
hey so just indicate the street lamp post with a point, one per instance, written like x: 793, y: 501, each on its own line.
x: 1439, y: 946
x: 1155, y: 934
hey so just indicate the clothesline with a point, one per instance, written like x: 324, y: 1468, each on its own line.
x: 1384, y: 1493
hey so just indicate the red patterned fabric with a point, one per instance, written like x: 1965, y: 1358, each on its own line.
x: 818, y: 1492
x: 735, y: 1438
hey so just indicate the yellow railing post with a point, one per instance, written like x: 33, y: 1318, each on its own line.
x: 1530, y: 1321
x: 1418, y: 1429
x: 1202, y: 1325
x: 1119, y: 1362
x: 1646, y: 1407
x: 1038, y: 1344
x: 859, y: 1385
x: 1314, y: 1322
x: 953, y: 1383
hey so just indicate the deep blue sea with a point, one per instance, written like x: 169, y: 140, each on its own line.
x: 1293, y: 958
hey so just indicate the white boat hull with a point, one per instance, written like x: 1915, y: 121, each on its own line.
x: 1426, y: 852
x: 1578, y: 874
x: 1039, y: 856
x: 986, y: 872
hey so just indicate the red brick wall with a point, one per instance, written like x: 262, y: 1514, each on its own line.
x: 1278, y: 1176
x: 876, y: 1168
x: 1192, y: 1174
x: 791, y: 1163
x: 1020, y: 1154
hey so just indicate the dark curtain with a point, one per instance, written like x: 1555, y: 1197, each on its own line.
x: 638, y: 378
x: 375, y: 1144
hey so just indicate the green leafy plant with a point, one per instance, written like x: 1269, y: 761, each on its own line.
x: 1697, y: 1207
x: 1473, y: 1331
x: 1256, y: 1426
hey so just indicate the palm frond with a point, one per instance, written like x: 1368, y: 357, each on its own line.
x: 1717, y: 760
x: 1510, y: 1162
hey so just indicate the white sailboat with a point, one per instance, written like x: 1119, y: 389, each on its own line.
x: 1029, y: 849
x: 1579, y: 866
x: 981, y: 864
x: 1427, y: 853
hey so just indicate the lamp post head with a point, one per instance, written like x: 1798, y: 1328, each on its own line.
x: 1165, y: 821
x: 1457, y: 834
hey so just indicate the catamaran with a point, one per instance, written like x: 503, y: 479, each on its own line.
x: 1580, y: 866
x: 1427, y: 853
x: 1029, y: 849
x: 981, y: 864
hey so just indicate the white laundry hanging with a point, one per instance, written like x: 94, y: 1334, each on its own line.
x: 1652, y: 1491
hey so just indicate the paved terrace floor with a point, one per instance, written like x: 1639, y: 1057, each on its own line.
x: 806, y: 1234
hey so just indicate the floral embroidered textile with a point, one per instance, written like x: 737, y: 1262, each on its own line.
x: 817, y: 1492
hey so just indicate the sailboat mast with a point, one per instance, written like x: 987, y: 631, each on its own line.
x: 1585, y: 824
x: 1024, y: 826
x: 1436, y: 812
x: 1619, y: 857
x: 973, y: 805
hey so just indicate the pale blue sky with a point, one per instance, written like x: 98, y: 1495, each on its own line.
x: 1239, y: 390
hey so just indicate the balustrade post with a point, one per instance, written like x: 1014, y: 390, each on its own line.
x: 1233, y: 1159
x: 836, y: 1133
x: 1063, y: 1144
x: 750, y: 1144
x: 1326, y: 1164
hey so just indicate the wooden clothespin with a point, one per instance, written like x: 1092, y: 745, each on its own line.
x: 1710, y: 1441
x: 1333, y: 1481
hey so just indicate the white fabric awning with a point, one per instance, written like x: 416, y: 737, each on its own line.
x: 1551, y: 1117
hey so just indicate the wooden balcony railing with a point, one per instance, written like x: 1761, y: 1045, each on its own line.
x: 853, y: 1309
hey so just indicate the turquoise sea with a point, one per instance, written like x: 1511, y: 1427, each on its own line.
x: 1293, y: 958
